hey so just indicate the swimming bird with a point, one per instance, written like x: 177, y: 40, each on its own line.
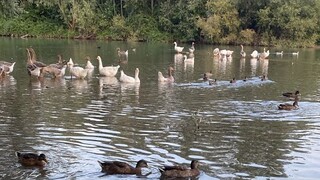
x: 295, y: 53
x: 122, y: 53
x: 279, y: 53
x: 32, y: 159
x: 7, y: 67
x: 181, y: 171
x: 128, y: 79
x: 170, y: 77
x: 242, y: 53
x: 109, y: 71
x: 89, y: 64
x: 212, y: 82
x: 117, y: 167
x: 289, y: 106
x: 32, y: 69
x: 177, y: 48
x: 291, y: 94
x: 233, y: 80
x: 78, y: 72
x: 188, y: 60
x: 192, y: 49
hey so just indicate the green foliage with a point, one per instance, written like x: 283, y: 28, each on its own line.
x: 292, y: 23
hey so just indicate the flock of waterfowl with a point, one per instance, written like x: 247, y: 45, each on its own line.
x: 39, y: 69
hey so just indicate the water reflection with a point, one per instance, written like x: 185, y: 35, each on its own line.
x: 253, y: 64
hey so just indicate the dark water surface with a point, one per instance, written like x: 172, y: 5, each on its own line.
x: 241, y: 135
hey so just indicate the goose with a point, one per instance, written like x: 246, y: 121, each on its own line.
x: 181, y: 171
x: 89, y: 64
x: 242, y: 53
x: 128, y: 79
x: 279, y: 53
x: 54, y: 71
x: 117, y: 167
x: 289, y: 106
x: 254, y: 54
x: 170, y: 78
x: 109, y: 71
x: 264, y: 54
x: 188, y: 60
x: 34, y: 58
x: 192, y: 49
x: 32, y: 159
x: 78, y: 72
x: 295, y: 53
x: 216, y: 52
x: 122, y: 53
x: 32, y: 69
x: 177, y: 48
x: 7, y: 67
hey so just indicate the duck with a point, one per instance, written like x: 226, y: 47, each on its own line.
x: 212, y: 82
x: 192, y: 49
x: 128, y: 79
x: 118, y: 167
x: 242, y: 53
x: 32, y: 159
x: 181, y: 171
x: 169, y: 79
x: 263, y: 78
x: 89, y: 64
x: 7, y: 67
x: 291, y: 94
x: 78, y: 72
x: 245, y: 79
x: 289, y: 106
x: 109, y: 71
x: 205, y: 77
x: 233, y: 80
x: 177, y: 48
x: 188, y: 60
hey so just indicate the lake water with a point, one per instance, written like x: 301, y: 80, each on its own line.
x: 241, y: 134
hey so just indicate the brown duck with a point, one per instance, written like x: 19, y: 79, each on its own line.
x: 289, y: 106
x: 117, y: 167
x: 180, y: 171
x: 32, y: 159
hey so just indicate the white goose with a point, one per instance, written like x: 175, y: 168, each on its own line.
x: 254, y: 54
x: 242, y: 53
x: 89, y: 64
x: 128, y: 79
x: 192, y: 49
x: 295, y: 53
x: 177, y: 48
x: 109, y: 71
x: 169, y: 79
x: 7, y: 67
x: 188, y: 60
x: 78, y: 72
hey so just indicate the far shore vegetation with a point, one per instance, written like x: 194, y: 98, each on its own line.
x: 285, y: 23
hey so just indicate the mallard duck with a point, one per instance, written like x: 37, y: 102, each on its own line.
x: 170, y: 78
x: 89, y: 64
x: 109, y: 71
x: 117, y: 167
x: 263, y: 78
x: 242, y: 53
x: 192, y: 49
x: 128, y: 79
x: 181, y: 171
x: 233, y: 80
x: 177, y: 48
x: 291, y: 94
x: 7, y: 67
x: 31, y: 159
x: 212, y: 82
x: 78, y: 72
x: 289, y: 106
